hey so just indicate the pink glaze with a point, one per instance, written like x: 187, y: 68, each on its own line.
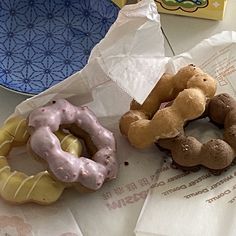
x: 66, y: 167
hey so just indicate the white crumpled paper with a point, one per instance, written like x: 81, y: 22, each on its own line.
x: 132, y: 55
x: 194, y: 204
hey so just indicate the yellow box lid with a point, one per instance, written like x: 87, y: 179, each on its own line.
x: 120, y: 3
x: 209, y: 9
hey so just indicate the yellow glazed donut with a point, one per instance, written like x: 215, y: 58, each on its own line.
x: 17, y: 187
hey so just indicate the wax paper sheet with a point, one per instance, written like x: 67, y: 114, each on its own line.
x: 196, y: 203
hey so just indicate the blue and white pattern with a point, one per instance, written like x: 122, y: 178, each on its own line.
x: 42, y: 42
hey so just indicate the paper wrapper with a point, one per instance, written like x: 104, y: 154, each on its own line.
x: 196, y: 203
x: 127, y: 63
x: 132, y: 51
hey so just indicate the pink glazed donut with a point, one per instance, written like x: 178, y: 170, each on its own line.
x: 67, y: 168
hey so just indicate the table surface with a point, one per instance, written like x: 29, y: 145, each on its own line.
x: 182, y: 33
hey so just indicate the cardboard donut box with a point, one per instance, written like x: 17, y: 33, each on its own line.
x: 207, y: 9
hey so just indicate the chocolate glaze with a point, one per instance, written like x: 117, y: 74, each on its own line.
x: 216, y: 154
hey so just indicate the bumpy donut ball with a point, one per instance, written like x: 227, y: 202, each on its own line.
x: 183, y: 75
x: 202, y: 81
x: 128, y: 118
x: 220, y: 106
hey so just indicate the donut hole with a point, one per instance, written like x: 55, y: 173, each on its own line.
x: 20, y: 159
x: 166, y: 104
x: 203, y: 130
x: 85, y: 151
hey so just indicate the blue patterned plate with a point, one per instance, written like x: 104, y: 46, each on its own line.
x: 42, y: 42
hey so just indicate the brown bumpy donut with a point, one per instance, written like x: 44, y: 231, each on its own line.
x: 189, y: 89
x: 217, y: 154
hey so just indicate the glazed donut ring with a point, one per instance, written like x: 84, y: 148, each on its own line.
x: 189, y: 88
x: 216, y: 154
x: 65, y: 167
x: 17, y: 187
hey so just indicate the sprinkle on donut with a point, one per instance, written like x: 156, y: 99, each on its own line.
x: 91, y: 173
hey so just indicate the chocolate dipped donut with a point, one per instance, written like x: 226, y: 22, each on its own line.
x: 91, y: 173
x: 216, y: 154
